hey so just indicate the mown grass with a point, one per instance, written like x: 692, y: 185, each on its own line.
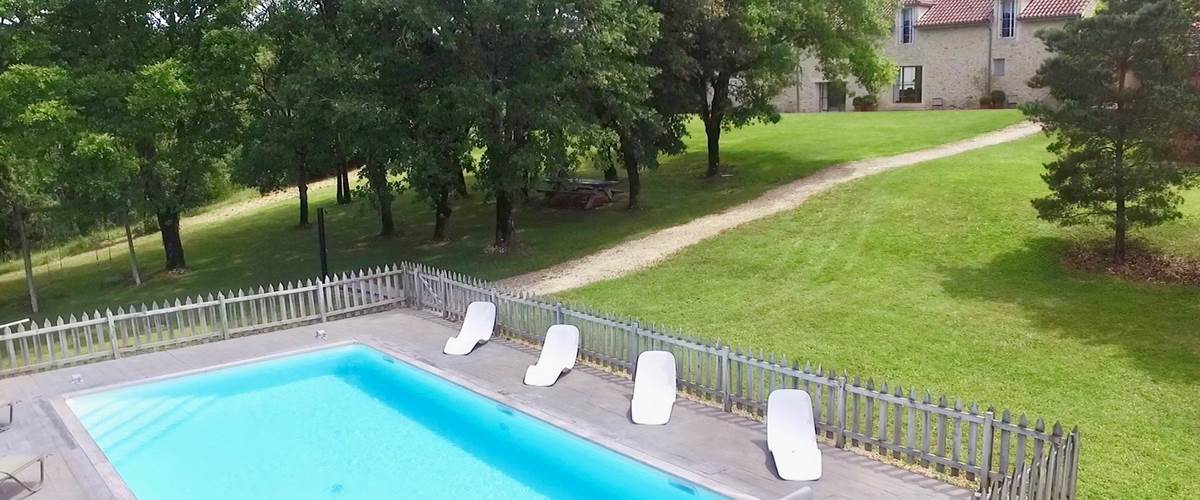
x: 940, y: 277
x: 264, y: 245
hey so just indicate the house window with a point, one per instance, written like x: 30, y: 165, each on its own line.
x: 1008, y: 18
x: 997, y: 67
x: 908, y: 18
x: 908, y: 84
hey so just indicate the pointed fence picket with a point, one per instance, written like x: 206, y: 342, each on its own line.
x: 1009, y: 458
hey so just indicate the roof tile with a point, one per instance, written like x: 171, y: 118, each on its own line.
x: 951, y: 12
x: 1053, y: 9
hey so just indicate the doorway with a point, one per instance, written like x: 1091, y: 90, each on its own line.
x: 832, y: 96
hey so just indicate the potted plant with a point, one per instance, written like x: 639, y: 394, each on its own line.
x: 865, y: 103
x: 999, y: 99
x: 985, y: 102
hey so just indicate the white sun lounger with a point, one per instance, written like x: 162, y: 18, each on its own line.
x: 11, y: 466
x: 558, y: 356
x: 792, y: 435
x: 476, y: 328
x: 653, y: 388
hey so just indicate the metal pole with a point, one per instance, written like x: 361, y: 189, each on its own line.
x: 321, y: 240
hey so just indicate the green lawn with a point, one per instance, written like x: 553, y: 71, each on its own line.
x: 939, y: 276
x: 265, y: 246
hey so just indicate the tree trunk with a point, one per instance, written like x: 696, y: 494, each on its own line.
x: 1120, y: 227
x: 19, y: 218
x: 303, y: 188
x: 1120, y: 219
x: 714, y: 114
x: 442, y: 215
x: 632, y: 171
x: 337, y: 176
x: 712, y: 128
x: 133, y: 261
x: 345, y: 196
x: 168, y: 227
x: 460, y: 185
x: 387, y: 224
x: 504, y: 220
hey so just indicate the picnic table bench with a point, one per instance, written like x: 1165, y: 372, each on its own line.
x: 589, y: 192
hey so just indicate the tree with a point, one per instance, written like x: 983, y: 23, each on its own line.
x: 636, y: 114
x: 528, y: 67
x: 379, y: 110
x: 724, y: 60
x: 99, y: 181
x: 167, y: 78
x: 1121, y: 80
x: 440, y: 151
x: 36, y: 125
x: 288, y: 132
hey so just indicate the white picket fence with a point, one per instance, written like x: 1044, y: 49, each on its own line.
x: 113, y: 334
x: 1009, y: 459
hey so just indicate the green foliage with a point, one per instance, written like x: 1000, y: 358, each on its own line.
x: 726, y: 60
x: 1122, y: 82
x: 536, y: 117
x: 865, y: 102
x: 999, y: 99
x: 36, y: 124
x: 290, y: 139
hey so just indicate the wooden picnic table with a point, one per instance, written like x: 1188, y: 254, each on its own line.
x: 592, y: 192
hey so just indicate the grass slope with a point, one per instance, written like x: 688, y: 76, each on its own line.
x: 939, y: 276
x: 263, y: 245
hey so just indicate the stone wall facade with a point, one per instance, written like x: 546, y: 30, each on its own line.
x: 957, y: 64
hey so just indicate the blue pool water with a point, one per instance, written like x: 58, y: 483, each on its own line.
x: 347, y: 423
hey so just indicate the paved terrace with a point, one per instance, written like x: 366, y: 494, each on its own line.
x: 701, y: 442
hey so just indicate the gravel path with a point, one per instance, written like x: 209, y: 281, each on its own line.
x: 632, y: 256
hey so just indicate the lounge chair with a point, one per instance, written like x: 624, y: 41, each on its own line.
x: 11, y: 466
x: 8, y: 423
x: 476, y: 328
x: 792, y: 435
x: 558, y: 355
x: 653, y: 388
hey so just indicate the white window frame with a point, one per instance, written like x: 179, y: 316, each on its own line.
x: 1010, y: 21
x: 911, y: 30
x: 1000, y: 64
x: 918, y: 75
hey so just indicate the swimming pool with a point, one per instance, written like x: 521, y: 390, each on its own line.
x: 347, y: 422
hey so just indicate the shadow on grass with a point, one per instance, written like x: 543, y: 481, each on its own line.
x: 1154, y: 325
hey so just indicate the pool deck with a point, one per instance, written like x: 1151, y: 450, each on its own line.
x: 700, y: 442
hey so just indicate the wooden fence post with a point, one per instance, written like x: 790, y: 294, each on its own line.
x: 986, y: 465
x: 112, y: 335
x: 321, y: 305
x: 840, y: 413
x: 558, y: 313
x: 726, y: 384
x: 633, y: 347
x: 398, y: 274
x: 224, y: 316
x: 420, y: 289
x: 445, y: 294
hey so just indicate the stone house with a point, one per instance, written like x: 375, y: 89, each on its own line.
x: 949, y: 54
